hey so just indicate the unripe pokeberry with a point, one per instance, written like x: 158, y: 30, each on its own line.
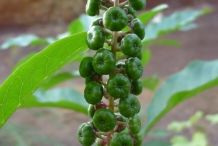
x: 92, y: 7
x: 118, y: 86
x: 104, y: 120
x: 86, y: 134
x: 129, y: 106
x: 104, y: 62
x: 95, y: 38
x: 115, y: 19
x: 121, y: 139
x: 93, y: 93
x: 136, y: 87
x: 85, y: 68
x: 138, y: 28
x: 131, y: 45
x: 134, y: 124
x: 134, y: 68
x: 138, y: 5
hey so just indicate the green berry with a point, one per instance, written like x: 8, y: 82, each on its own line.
x: 134, y: 124
x: 131, y: 45
x: 92, y: 7
x: 104, y: 62
x: 93, y: 93
x: 137, y: 139
x: 137, y: 5
x: 85, y: 68
x: 91, y: 110
x: 118, y: 86
x: 121, y: 139
x: 130, y: 11
x: 95, y: 38
x: 86, y: 134
x: 115, y: 19
x: 138, y: 28
x: 134, y: 68
x: 104, y: 120
x: 96, y: 22
x: 136, y: 87
x: 129, y: 106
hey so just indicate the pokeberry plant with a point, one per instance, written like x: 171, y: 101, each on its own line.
x: 114, y: 122
x: 120, y: 41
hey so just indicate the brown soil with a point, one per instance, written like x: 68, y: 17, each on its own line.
x: 61, y: 125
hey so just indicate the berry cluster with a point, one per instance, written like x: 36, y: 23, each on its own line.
x: 114, y: 121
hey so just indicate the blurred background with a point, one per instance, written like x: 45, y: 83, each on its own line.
x: 49, y: 126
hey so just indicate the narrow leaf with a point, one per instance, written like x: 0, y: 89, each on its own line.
x: 171, y: 23
x: 151, y: 82
x: 58, y: 97
x: 28, y: 77
x: 25, y: 40
x: 147, y: 16
x: 157, y: 143
x: 195, y: 78
x: 75, y: 27
x: 58, y: 78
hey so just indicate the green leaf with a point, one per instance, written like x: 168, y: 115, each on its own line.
x: 198, y: 76
x: 30, y: 75
x: 75, y: 27
x: 199, y: 139
x: 21, y: 61
x: 174, y: 22
x: 147, y: 16
x: 58, y: 97
x: 212, y: 118
x: 157, y: 143
x: 167, y: 43
x: 146, y: 56
x: 180, y: 141
x: 151, y: 82
x: 25, y: 40
x: 179, y: 126
x: 58, y: 78
x: 160, y: 133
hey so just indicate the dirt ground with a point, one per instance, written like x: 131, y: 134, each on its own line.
x: 61, y: 125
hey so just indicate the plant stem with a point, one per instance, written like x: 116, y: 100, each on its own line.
x: 123, y: 3
x: 113, y: 50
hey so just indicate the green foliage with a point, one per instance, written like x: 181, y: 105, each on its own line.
x: 58, y: 78
x: 22, y: 135
x: 26, y: 40
x: 174, y: 22
x: 28, y: 77
x: 59, y: 97
x: 195, y: 78
x: 213, y: 119
x: 157, y: 143
x: 151, y: 82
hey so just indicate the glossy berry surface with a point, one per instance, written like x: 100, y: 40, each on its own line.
x: 93, y: 93
x: 104, y: 120
x: 95, y: 38
x: 122, y: 139
x: 138, y: 28
x: 92, y: 7
x: 131, y: 45
x: 104, y: 62
x: 129, y: 106
x: 118, y: 86
x: 85, y: 68
x: 138, y: 5
x: 115, y: 19
x: 134, y: 68
x: 134, y: 124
